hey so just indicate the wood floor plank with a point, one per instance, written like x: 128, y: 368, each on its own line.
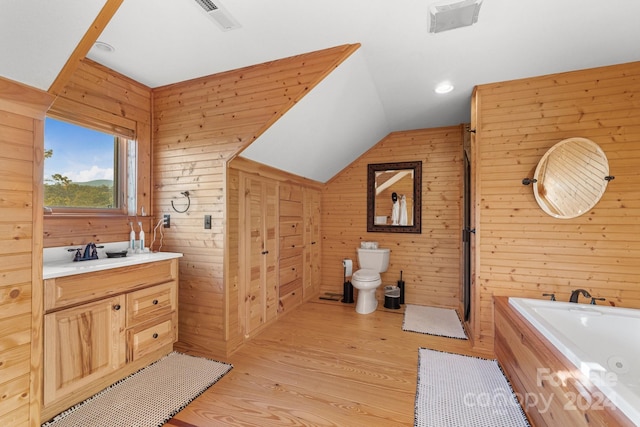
x: 321, y: 365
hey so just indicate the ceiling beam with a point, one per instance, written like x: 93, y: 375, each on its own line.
x: 90, y: 37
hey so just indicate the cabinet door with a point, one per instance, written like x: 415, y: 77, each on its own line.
x: 81, y: 344
x: 259, y: 253
x: 311, y: 280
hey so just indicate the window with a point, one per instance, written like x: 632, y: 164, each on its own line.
x: 88, y: 170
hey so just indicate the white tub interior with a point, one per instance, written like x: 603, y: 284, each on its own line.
x: 603, y: 342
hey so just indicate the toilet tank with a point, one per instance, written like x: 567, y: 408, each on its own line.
x: 374, y: 259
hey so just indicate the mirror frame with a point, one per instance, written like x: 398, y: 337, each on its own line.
x: 589, y: 167
x: 417, y: 197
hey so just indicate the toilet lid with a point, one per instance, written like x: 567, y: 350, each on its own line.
x: 365, y: 275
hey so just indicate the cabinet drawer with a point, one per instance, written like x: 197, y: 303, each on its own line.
x: 146, y: 339
x: 70, y: 290
x: 290, y: 269
x: 295, y: 286
x: 290, y: 228
x: 291, y: 209
x: 291, y: 192
x: 151, y: 303
x: 289, y: 301
x: 291, y: 245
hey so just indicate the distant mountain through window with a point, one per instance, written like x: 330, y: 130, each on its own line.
x: 79, y: 166
x: 97, y: 183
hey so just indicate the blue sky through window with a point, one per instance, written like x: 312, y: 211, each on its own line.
x: 79, y: 153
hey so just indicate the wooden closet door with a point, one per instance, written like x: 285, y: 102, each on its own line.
x: 311, y: 283
x: 259, y: 270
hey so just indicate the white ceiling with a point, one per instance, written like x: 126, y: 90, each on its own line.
x: 386, y: 86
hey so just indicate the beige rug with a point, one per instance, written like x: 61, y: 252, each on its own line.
x: 456, y: 390
x: 438, y: 321
x: 147, y: 398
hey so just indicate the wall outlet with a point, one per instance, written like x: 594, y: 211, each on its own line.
x: 166, y: 220
x: 207, y: 222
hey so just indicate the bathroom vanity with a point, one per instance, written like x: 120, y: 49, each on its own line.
x: 103, y: 320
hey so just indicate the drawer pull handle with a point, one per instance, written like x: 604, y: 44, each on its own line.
x: 155, y: 335
x: 264, y: 252
x: 116, y: 307
x: 155, y: 302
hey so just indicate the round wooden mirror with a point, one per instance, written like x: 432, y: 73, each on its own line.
x: 571, y: 178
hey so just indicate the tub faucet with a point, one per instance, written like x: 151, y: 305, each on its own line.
x: 575, y: 294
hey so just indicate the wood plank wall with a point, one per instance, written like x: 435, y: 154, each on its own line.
x: 199, y: 126
x: 430, y: 261
x: 98, y: 96
x: 521, y: 250
x: 21, y: 154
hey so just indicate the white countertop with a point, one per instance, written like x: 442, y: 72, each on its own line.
x: 58, y: 262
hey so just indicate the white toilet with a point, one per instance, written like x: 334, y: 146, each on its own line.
x: 372, y: 262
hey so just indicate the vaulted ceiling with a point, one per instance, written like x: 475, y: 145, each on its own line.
x: 387, y: 85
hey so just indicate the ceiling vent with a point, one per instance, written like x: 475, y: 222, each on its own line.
x: 219, y: 15
x: 445, y: 16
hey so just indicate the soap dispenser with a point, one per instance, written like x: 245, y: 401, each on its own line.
x: 132, y: 238
x: 141, y: 238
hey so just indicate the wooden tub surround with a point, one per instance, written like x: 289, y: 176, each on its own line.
x: 552, y: 391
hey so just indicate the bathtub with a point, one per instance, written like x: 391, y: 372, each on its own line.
x: 603, y: 342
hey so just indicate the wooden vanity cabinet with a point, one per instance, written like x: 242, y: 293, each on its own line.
x: 100, y: 327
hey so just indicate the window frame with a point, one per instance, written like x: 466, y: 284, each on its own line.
x: 127, y: 203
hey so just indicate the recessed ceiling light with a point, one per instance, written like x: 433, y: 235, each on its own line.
x: 105, y: 47
x: 444, y: 87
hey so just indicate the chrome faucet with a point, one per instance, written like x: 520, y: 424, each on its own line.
x: 575, y: 294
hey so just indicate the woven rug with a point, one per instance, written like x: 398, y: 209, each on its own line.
x: 455, y: 390
x: 443, y: 322
x: 147, y: 398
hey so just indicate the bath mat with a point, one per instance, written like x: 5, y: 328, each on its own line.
x: 443, y: 322
x: 455, y: 390
x: 147, y: 398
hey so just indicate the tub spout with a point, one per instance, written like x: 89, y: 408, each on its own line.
x: 575, y: 294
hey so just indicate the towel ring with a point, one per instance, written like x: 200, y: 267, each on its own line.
x: 185, y: 194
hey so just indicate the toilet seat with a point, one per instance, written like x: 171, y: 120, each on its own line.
x: 365, y: 275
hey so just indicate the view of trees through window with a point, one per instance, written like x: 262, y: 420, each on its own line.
x: 80, y: 167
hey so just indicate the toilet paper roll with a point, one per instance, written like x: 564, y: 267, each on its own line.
x: 348, y: 267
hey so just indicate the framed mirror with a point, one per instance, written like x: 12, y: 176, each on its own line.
x: 394, y: 197
x: 571, y: 178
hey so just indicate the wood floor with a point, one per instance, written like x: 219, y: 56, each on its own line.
x: 321, y: 365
